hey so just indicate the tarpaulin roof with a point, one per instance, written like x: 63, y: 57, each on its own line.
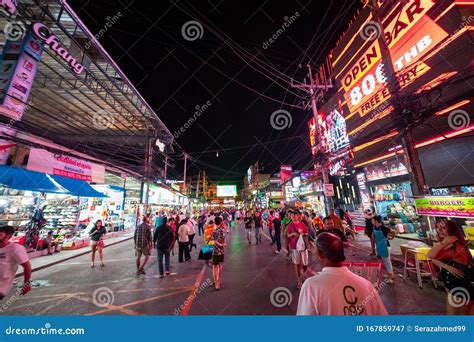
x: 78, y: 187
x: 21, y: 179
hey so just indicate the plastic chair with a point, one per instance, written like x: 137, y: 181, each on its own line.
x: 419, y: 256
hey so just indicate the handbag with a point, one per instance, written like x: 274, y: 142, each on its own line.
x: 300, y: 244
x: 206, y: 251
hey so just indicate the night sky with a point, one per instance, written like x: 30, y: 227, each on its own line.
x: 230, y: 66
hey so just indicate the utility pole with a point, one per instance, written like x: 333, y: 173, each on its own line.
x: 166, y: 169
x: 316, y: 90
x: 147, y: 171
x: 185, y: 167
x: 197, y: 186
x: 415, y: 170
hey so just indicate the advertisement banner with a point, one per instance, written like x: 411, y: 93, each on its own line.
x: 59, y: 165
x: 462, y: 207
x: 17, y: 78
x: 9, y: 59
x: 411, y: 35
x: 286, y: 172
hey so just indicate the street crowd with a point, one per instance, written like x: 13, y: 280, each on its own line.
x: 335, y: 290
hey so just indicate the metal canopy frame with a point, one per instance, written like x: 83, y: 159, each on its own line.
x: 100, y: 107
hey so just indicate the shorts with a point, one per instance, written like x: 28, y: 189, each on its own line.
x: 93, y: 243
x: 387, y: 263
x: 143, y: 250
x: 217, y: 259
x: 300, y: 257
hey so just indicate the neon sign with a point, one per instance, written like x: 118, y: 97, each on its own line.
x: 409, y: 33
x: 45, y: 34
x: 9, y: 6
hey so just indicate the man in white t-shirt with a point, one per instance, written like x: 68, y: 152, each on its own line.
x: 336, y: 290
x: 183, y: 242
x: 11, y: 256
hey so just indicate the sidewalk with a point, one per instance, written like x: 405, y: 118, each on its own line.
x: 42, y: 262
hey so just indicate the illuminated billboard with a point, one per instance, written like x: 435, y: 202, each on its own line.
x: 411, y: 31
x: 226, y: 190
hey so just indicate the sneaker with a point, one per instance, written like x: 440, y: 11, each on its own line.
x: 142, y: 271
x: 138, y: 272
x: 167, y: 273
x: 50, y: 253
x: 277, y: 252
x: 56, y: 251
x: 161, y: 275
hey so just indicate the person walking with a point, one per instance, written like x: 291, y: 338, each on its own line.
x: 183, y: 241
x: 348, y: 218
x: 297, y: 232
x: 381, y: 245
x: 311, y: 230
x: 218, y: 236
x: 163, y: 240
x: 284, y: 224
x: 191, y: 233
x: 201, y: 223
x: 96, y: 235
x: 277, y: 231
x: 336, y: 290
x: 258, y: 224
x: 143, y: 243
x: 336, y: 219
x: 455, y: 260
x: 248, y: 221
x: 12, y: 255
x: 271, y: 218
x: 172, y: 224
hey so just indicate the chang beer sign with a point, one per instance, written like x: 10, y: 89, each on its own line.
x: 44, y: 33
x: 462, y: 207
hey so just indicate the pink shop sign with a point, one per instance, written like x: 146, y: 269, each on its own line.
x: 65, y: 166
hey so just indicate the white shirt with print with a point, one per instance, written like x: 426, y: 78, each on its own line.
x: 338, y: 291
x: 11, y: 256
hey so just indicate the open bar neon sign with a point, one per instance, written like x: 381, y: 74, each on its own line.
x: 44, y: 33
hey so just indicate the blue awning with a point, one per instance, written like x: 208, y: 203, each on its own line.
x: 78, y: 187
x: 21, y: 179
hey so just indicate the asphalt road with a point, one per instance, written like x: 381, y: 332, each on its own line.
x: 251, y: 273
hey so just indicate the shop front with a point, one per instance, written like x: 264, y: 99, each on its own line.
x: 36, y: 203
x: 387, y: 191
